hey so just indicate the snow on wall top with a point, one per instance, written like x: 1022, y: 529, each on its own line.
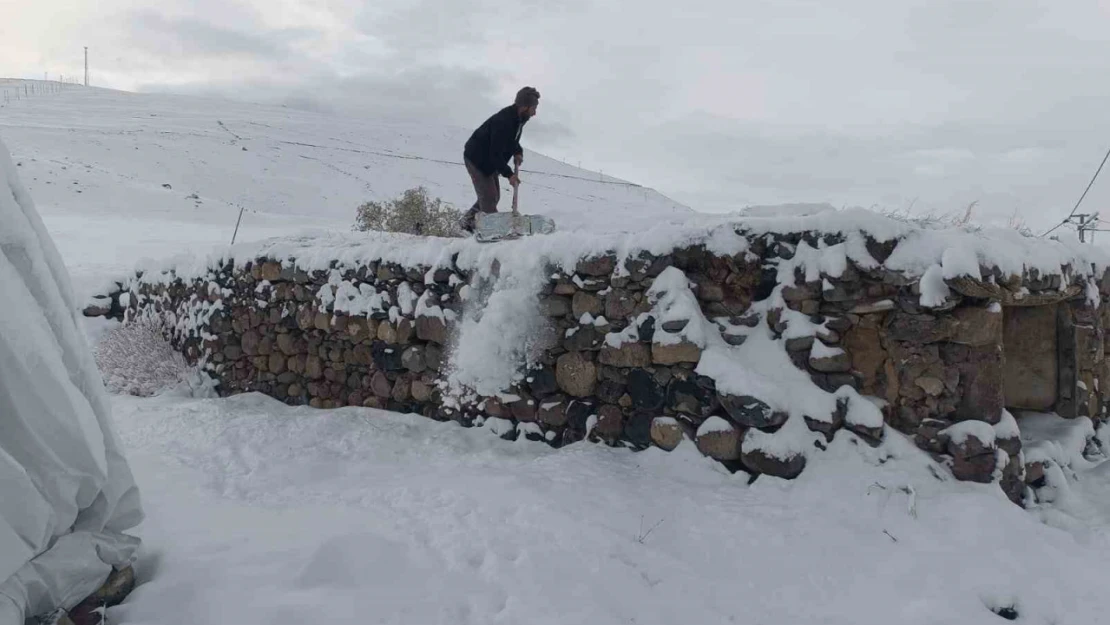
x: 953, y: 252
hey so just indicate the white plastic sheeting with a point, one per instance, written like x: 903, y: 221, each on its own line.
x: 67, y: 495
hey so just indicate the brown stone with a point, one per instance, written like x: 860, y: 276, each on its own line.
x: 270, y: 271
x: 402, y: 389
x: 286, y: 344
x: 266, y: 346
x: 974, y: 469
x: 295, y: 390
x: 524, y: 409
x: 313, y: 368
x: 277, y: 363
x: 565, y: 288
x: 322, y: 321
x: 431, y: 329
x: 932, y: 386
x: 666, y: 433
x: 249, y: 343
x: 553, y: 412
x: 969, y: 447
x: 585, y: 303
x: 976, y: 326
x: 802, y: 292
x: 381, y: 386
x: 758, y: 461
x: 1029, y: 375
x: 710, y: 292
x: 597, y: 267
x: 387, y: 332
x: 405, y: 331
x: 1034, y: 472
x: 610, y: 423
x: 919, y: 328
x: 626, y: 356
x: 865, y: 347
x: 721, y: 444
x: 555, y: 306
x: 675, y: 353
x: 619, y: 305
x: 839, y: 362
x: 576, y: 374
x: 982, y: 381
x: 358, y: 329
x: 422, y: 391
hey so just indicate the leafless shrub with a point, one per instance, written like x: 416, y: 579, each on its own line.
x: 136, y: 359
x: 413, y: 213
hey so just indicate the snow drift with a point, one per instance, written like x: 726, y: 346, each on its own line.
x: 67, y: 491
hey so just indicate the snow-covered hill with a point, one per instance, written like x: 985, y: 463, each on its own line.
x: 140, y: 175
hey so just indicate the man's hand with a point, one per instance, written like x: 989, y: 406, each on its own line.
x: 514, y: 180
x: 518, y: 159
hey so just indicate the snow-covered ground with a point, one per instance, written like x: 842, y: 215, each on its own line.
x: 262, y: 513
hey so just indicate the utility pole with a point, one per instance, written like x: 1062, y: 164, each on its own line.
x: 1084, y: 223
x: 86, y: 66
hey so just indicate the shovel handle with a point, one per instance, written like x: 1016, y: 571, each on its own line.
x: 516, y: 187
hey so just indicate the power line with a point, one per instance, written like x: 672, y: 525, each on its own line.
x: 1089, y: 185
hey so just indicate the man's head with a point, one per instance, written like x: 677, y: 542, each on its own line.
x: 527, y: 101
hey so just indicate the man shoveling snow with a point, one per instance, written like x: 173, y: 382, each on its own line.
x: 489, y: 148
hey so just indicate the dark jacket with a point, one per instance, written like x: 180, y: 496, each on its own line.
x: 496, y: 141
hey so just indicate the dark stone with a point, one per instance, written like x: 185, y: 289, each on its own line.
x: 413, y: 359
x: 553, y: 412
x: 619, y: 305
x: 599, y: 266
x: 541, y: 382
x: 610, y: 423
x: 433, y: 356
x: 646, y: 329
x: 675, y: 326
x: 692, y: 396
x: 929, y: 438
x: 637, y: 429
x: 610, y: 392
x: 555, y: 306
x: 917, y: 328
x: 751, y: 412
x: 799, y: 344
x: 525, y: 409
x: 578, y: 412
x: 585, y: 338
x: 386, y: 357
x: 759, y: 462
x: 828, y: 428
x: 645, y: 390
x: 974, y: 469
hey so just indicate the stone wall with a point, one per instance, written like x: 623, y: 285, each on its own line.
x: 617, y: 350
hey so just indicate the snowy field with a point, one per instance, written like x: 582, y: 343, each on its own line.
x: 258, y: 513
x: 98, y: 163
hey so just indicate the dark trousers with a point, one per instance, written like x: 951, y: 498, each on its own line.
x: 487, y: 188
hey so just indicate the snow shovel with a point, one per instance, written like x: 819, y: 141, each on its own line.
x: 492, y: 227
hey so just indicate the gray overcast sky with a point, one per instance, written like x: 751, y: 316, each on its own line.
x: 719, y: 103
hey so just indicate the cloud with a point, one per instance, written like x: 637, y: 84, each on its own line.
x: 718, y: 103
x: 190, y: 36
